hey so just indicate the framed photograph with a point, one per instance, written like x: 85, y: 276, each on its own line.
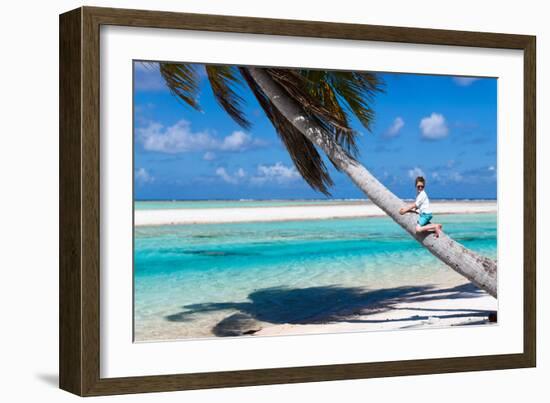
x: 249, y: 201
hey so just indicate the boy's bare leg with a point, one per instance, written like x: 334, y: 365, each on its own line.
x: 438, y: 228
x: 430, y: 228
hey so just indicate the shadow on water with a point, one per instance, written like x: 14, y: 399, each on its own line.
x: 323, y: 305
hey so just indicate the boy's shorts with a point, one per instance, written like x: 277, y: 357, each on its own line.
x: 424, y: 219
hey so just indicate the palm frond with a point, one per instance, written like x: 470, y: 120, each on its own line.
x: 303, y: 153
x: 319, y: 87
x: 223, y: 80
x: 357, y: 91
x: 182, y: 80
x: 298, y: 88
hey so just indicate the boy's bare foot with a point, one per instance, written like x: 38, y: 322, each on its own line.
x: 438, y: 230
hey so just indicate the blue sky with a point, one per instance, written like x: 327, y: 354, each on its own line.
x: 441, y: 127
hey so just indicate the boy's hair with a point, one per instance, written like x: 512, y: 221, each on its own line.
x: 420, y: 179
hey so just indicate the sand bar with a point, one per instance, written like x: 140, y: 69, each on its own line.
x: 289, y: 213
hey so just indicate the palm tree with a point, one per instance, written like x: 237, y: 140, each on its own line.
x: 311, y: 110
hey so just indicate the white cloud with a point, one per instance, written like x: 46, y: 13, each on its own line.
x: 464, y: 81
x: 143, y: 177
x: 236, y: 141
x: 222, y: 173
x: 434, y: 127
x: 277, y: 173
x: 414, y: 172
x: 209, y: 156
x: 174, y: 139
x: 447, y: 177
x: 179, y: 138
x: 233, y: 179
x: 455, y: 177
x: 482, y: 174
x: 475, y: 176
x: 395, y: 127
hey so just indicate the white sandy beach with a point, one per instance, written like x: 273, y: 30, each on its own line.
x: 287, y: 213
x: 443, y: 306
x: 456, y: 302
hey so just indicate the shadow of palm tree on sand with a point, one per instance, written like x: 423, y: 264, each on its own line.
x: 326, y: 304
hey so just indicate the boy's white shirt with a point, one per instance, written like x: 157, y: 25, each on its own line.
x: 423, y: 203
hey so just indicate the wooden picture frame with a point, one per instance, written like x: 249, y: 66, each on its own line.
x: 79, y: 348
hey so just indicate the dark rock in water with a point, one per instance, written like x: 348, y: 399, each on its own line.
x: 238, y: 324
x: 207, y: 252
x: 214, y: 253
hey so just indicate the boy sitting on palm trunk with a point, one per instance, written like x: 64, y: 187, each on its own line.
x: 422, y: 206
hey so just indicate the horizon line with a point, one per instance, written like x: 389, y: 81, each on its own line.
x: 302, y: 199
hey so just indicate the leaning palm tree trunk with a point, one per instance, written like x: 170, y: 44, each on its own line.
x: 480, y: 270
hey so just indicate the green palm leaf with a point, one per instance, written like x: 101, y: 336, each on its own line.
x: 345, y: 94
x: 223, y: 81
x: 304, y: 155
x: 318, y: 85
x: 357, y: 91
x: 182, y: 80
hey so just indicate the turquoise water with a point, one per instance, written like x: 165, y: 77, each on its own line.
x: 189, y: 278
